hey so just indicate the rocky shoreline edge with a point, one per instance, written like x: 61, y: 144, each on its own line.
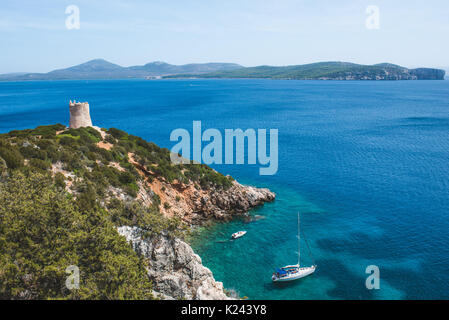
x: 175, y: 270
x: 131, y: 186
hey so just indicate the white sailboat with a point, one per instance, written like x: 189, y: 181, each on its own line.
x: 293, y: 272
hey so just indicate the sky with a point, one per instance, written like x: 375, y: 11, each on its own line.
x: 34, y: 36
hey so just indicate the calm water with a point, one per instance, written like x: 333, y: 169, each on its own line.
x: 366, y: 163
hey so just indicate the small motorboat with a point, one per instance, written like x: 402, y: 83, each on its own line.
x: 238, y: 234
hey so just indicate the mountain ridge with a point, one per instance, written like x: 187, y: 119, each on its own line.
x: 328, y: 70
x: 102, y: 69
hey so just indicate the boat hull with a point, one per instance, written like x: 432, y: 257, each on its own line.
x: 238, y: 234
x: 302, y: 272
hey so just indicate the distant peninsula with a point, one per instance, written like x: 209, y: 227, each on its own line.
x: 102, y: 69
x: 327, y: 71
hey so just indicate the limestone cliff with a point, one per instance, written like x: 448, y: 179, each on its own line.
x: 175, y: 270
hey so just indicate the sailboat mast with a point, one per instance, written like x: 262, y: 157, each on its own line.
x: 299, y: 244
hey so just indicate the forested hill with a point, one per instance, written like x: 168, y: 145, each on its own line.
x: 102, y: 69
x: 327, y: 71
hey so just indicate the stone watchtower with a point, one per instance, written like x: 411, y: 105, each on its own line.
x: 79, y: 115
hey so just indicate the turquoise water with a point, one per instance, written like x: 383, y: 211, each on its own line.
x: 366, y: 163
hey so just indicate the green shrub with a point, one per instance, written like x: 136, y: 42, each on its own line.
x: 131, y: 189
x: 74, y: 163
x: 33, y: 152
x: 116, y: 133
x: 43, y: 232
x: 126, y: 177
x: 149, y: 219
x: 67, y: 140
x: 91, y: 155
x: 3, y: 168
x: 109, y: 138
x: 40, y: 164
x: 48, y: 131
x: 45, y: 144
x: 128, y: 146
x: 12, y: 157
x: 59, y: 180
x: 87, y: 199
x: 105, y: 154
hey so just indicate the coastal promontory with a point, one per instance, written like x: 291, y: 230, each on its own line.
x: 333, y: 70
x: 112, y: 205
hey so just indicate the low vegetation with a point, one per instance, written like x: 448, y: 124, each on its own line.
x: 43, y: 231
x: 59, y: 207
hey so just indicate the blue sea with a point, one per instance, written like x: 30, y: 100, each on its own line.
x: 365, y: 163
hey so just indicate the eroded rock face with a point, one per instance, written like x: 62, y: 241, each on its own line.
x: 175, y: 270
x: 236, y: 200
x: 196, y: 205
x: 223, y: 204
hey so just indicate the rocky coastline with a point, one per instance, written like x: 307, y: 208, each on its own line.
x: 174, y: 269
x: 131, y: 183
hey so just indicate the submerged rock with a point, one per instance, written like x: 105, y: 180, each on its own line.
x: 248, y: 218
x: 175, y: 270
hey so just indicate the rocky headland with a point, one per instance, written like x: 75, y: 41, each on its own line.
x: 196, y: 205
x: 149, y: 200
